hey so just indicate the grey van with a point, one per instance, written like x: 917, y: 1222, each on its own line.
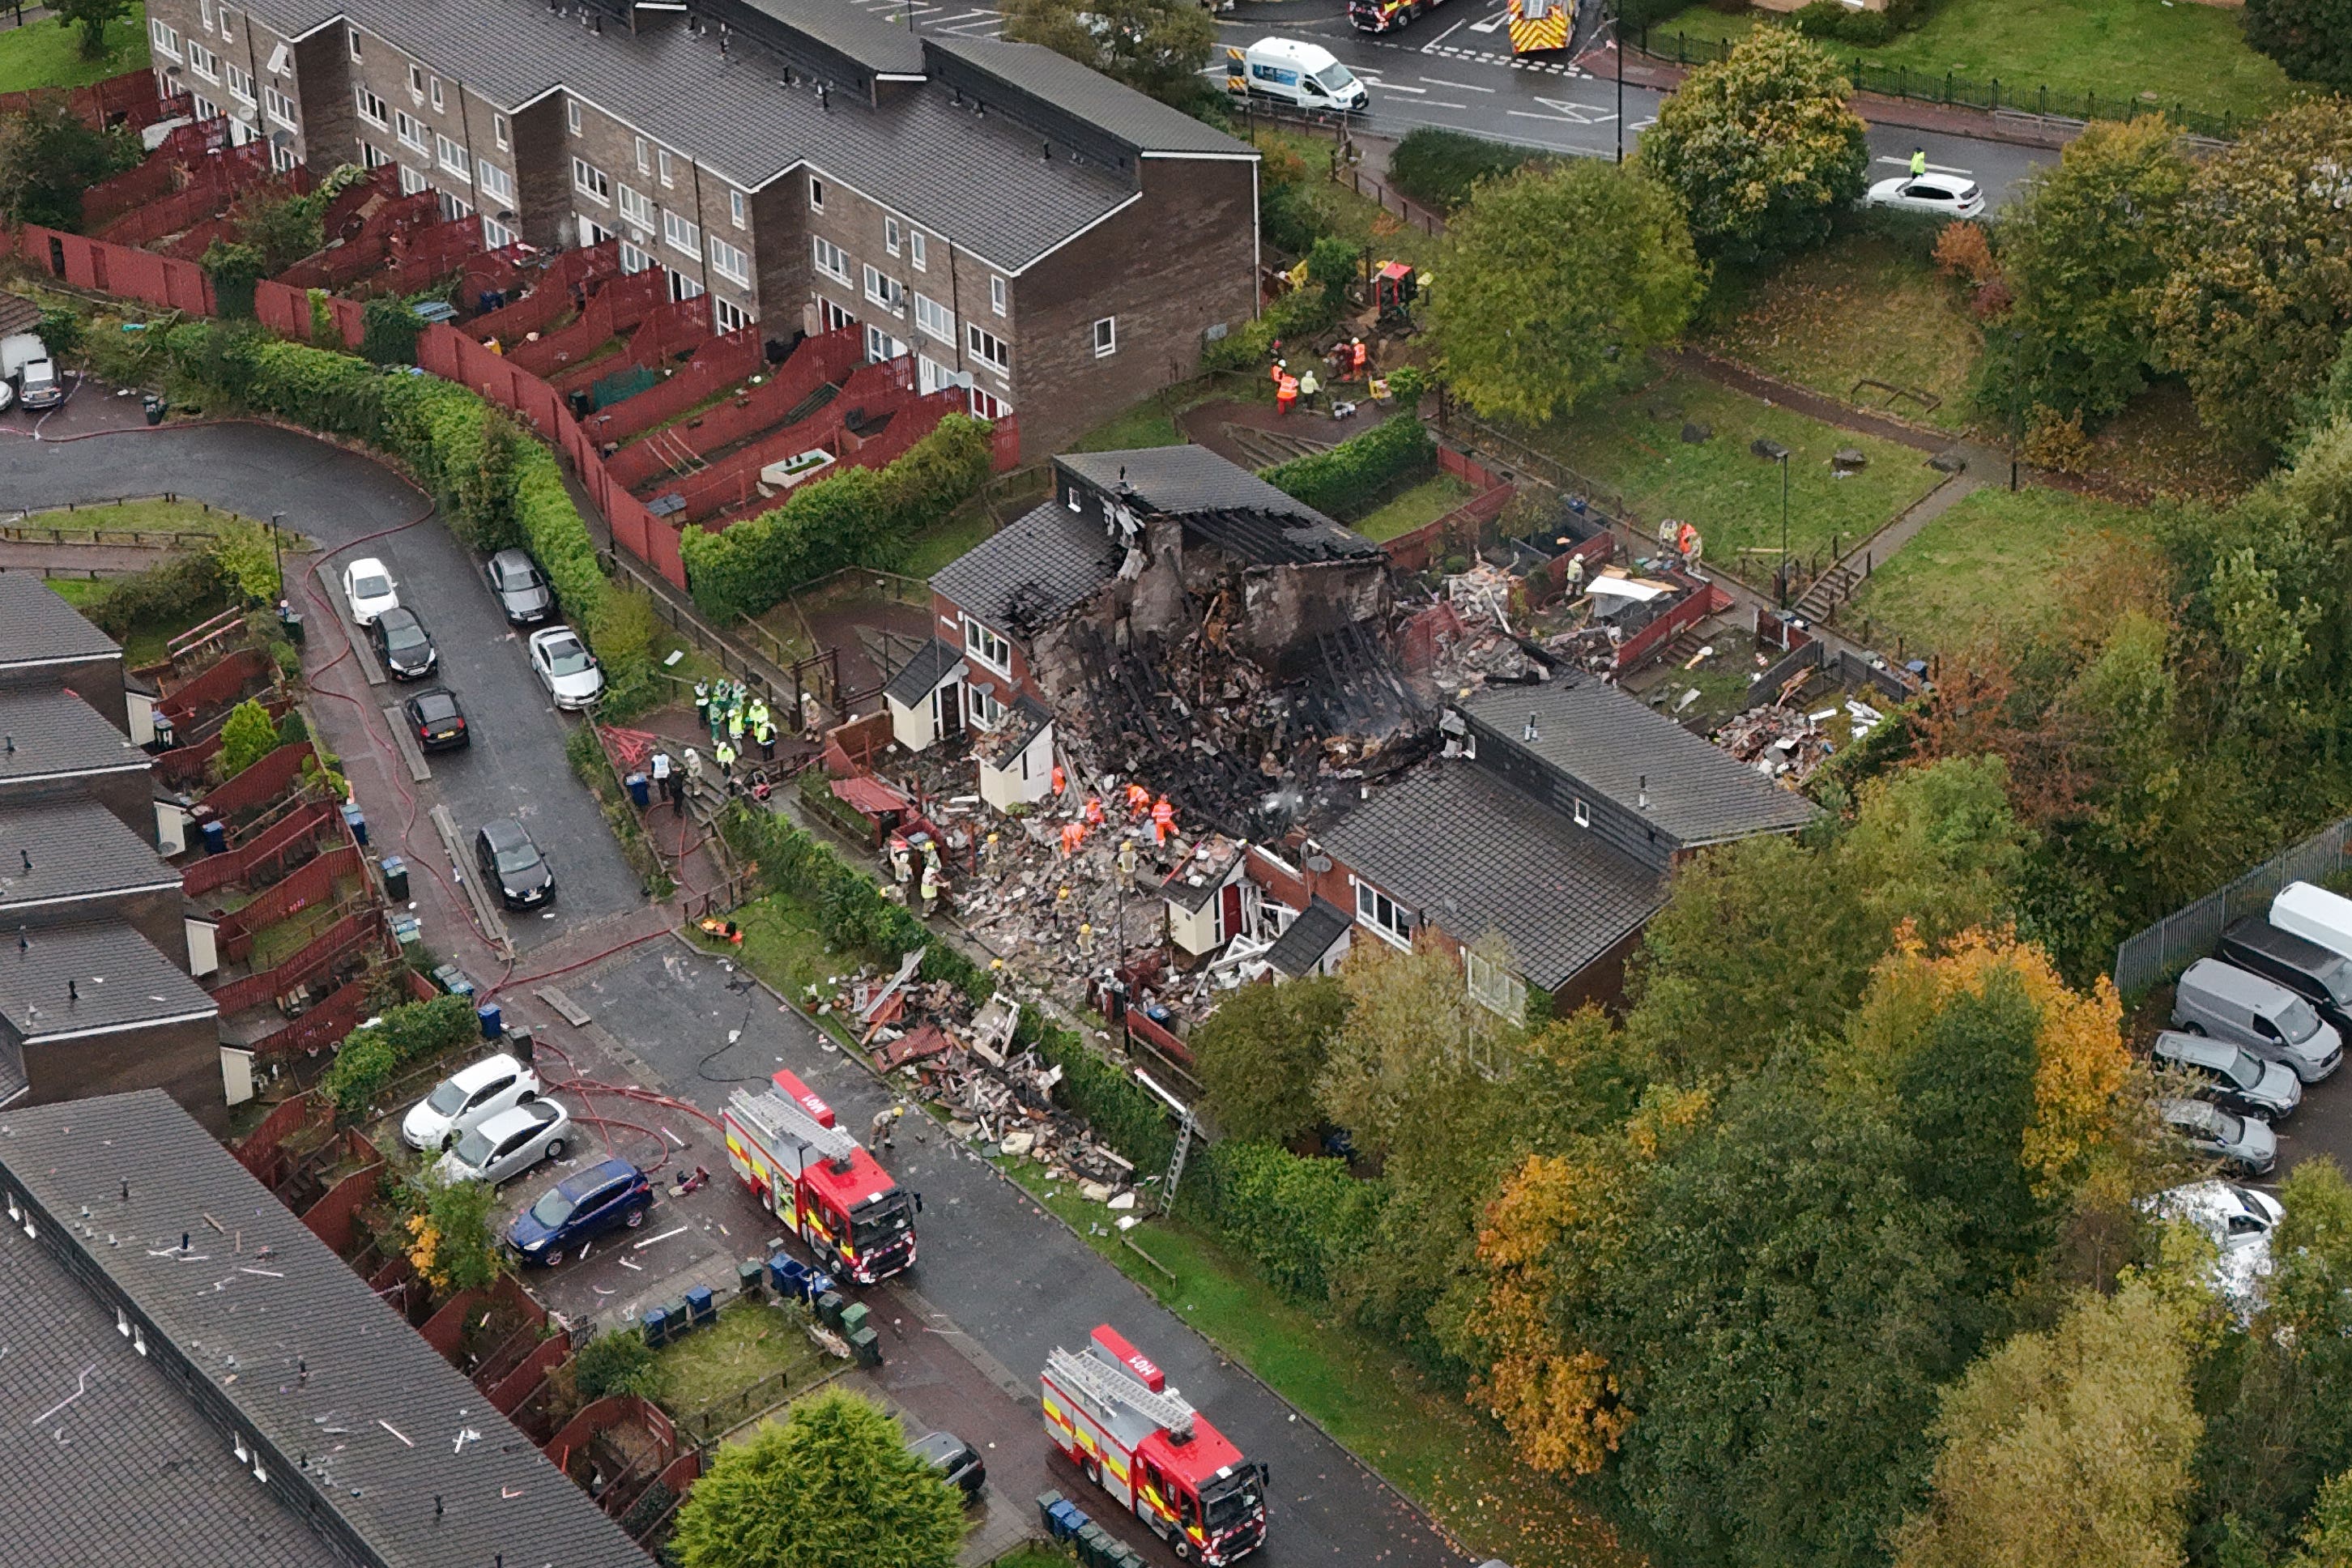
x: 2229, y: 1003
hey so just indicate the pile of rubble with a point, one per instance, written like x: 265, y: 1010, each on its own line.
x: 1786, y: 744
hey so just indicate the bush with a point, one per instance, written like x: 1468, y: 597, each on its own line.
x: 1437, y: 168
x: 1830, y: 19
x: 160, y: 591
x: 247, y: 737
x: 235, y: 269
x: 1350, y: 479
x: 1306, y: 1223
x: 405, y: 1034
x: 617, y: 1361
x: 1123, y: 1113
x: 388, y: 330
x: 1286, y: 213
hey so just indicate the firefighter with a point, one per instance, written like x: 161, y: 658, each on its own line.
x: 1307, y: 387
x: 1163, y: 821
x: 735, y: 725
x: 1575, y: 575
x: 693, y: 767
x: 1092, y: 813
x: 809, y: 715
x: 725, y: 757
x: 763, y: 729
x: 1138, y: 801
x: 934, y: 882
x: 991, y: 856
x: 1127, y: 863
x: 1061, y: 904
x: 1085, y: 939
x: 886, y: 1126
x: 902, y: 861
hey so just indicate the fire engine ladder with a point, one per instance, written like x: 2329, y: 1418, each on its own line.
x: 1107, y: 1385
x: 778, y: 1117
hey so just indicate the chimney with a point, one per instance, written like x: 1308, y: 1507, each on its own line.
x: 28, y: 858
x: 73, y: 990
x: 1642, y: 799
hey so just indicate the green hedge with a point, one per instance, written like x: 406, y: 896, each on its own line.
x: 1306, y: 1223
x: 371, y: 1058
x: 1123, y: 1113
x: 1353, y: 477
x: 860, y: 516
x: 1437, y: 168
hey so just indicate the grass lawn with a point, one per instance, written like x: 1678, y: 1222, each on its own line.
x: 1865, y: 308
x: 1996, y: 563
x: 1729, y: 494
x: 751, y: 1340
x: 156, y: 516
x: 1423, y: 503
x: 2192, y: 55
x: 783, y: 945
x: 48, y: 53
x: 946, y: 539
x: 1033, y: 1555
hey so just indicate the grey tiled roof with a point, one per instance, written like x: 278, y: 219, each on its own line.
x: 35, y: 625
x: 77, y: 848
x: 284, y: 1340
x: 1611, y: 741
x: 1031, y: 572
x: 1473, y: 854
x: 45, y: 734
x: 119, y: 976
x: 1192, y: 885
x: 1303, y: 943
x: 919, y: 674
x: 1141, y: 121
x: 1224, y: 503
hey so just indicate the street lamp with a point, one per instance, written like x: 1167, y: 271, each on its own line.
x: 1617, y: 48
x: 277, y: 553
x: 1764, y: 447
x: 2016, y: 403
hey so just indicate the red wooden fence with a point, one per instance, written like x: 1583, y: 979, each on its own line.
x: 717, y: 366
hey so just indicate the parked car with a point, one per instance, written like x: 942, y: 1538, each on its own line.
x: 520, y: 588
x: 511, y: 858
x: 508, y: 1144
x: 1946, y: 195
x: 2320, y: 975
x: 957, y: 1461
x: 2229, y: 1003
x: 471, y: 1095
x: 580, y: 1208
x: 2316, y: 915
x: 438, y: 720
x: 2238, y: 1220
x: 566, y: 667
x: 368, y: 590
x: 2241, y: 1142
x: 2232, y: 1077
x: 25, y: 360
x: 401, y: 643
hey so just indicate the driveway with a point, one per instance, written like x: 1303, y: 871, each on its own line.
x: 516, y: 766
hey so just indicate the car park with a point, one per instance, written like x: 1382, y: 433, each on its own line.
x: 2315, y: 914
x: 2238, y: 1220
x: 509, y: 857
x: 471, y: 1095
x: 613, y: 1195
x: 566, y: 667
x: 506, y: 1145
x: 369, y: 590
x: 402, y: 642
x: 520, y: 588
x: 2320, y: 975
x: 438, y: 720
x: 958, y: 1462
x: 1946, y: 195
x: 2240, y: 1143
x: 2230, y: 1076
x: 2229, y: 1003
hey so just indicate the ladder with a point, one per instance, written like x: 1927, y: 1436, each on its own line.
x: 779, y: 1119
x: 1107, y: 1385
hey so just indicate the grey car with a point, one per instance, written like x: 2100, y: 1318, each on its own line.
x: 2241, y: 1142
x: 521, y: 589
x: 2230, y: 1076
x: 2229, y: 1004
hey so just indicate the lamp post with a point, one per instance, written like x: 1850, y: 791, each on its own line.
x: 277, y: 553
x: 1617, y: 48
x: 1764, y: 447
x: 2016, y: 404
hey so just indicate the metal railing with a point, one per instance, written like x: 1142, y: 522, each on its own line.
x: 2187, y: 935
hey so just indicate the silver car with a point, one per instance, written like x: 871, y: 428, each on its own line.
x: 509, y: 1144
x: 2241, y: 1142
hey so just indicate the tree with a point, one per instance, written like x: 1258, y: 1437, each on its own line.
x: 93, y: 17
x: 2328, y: 1533
x: 2068, y: 1447
x: 451, y: 1244
x: 1555, y: 281
x: 247, y: 736
x: 2082, y: 256
x: 831, y: 1486
x: 2312, y: 38
x: 2257, y: 299
x: 1761, y: 148
x: 1259, y: 1053
x: 617, y: 1361
x: 48, y: 158
x: 1157, y: 47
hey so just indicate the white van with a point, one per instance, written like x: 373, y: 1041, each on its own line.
x: 25, y: 361
x: 2316, y: 915
x: 1307, y: 76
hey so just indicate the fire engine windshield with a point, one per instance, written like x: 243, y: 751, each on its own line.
x: 880, y: 1223
x: 1233, y: 1499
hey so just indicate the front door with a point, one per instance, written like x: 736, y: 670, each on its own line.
x: 947, y: 709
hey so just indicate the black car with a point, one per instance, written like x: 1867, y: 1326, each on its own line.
x: 507, y: 856
x: 2313, y: 973
x: 2230, y: 1076
x: 438, y: 722
x: 520, y: 587
x: 401, y: 641
x: 957, y: 1461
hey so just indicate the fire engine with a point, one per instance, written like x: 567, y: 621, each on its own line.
x: 1540, y: 25
x: 819, y: 1181
x: 1110, y: 1411
x: 1387, y: 16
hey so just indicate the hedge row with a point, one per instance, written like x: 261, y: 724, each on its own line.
x: 858, y: 517
x: 1438, y: 168
x: 1354, y: 477
x: 1123, y: 1113
x: 1306, y: 1223
x: 371, y: 1057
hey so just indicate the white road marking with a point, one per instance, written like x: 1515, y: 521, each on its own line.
x: 1489, y: 24
x: 1932, y: 168
x: 1465, y: 86
x: 1450, y: 31
x: 1399, y: 87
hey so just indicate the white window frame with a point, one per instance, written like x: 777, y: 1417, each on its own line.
x: 165, y: 38
x: 636, y: 208
x: 416, y: 81
x: 934, y: 320
x: 1389, y: 920
x: 816, y: 194
x: 373, y: 110
x: 645, y: 157
x: 661, y: 162
x: 987, y: 347
x: 932, y: 376
x: 412, y: 131
x: 986, y: 404
x: 498, y: 131
x: 884, y: 290
x: 495, y: 183
x: 453, y: 157
x: 891, y: 234
x: 982, y: 709
x: 881, y: 347
x: 1494, y: 987
x: 454, y: 208
x: 633, y: 259
x: 572, y: 115
x: 835, y: 316
x: 1582, y: 812
x: 738, y: 209
x: 727, y: 316
x: 236, y: 75
x: 412, y: 181
x: 372, y: 156
x: 497, y: 236
x: 681, y: 235
x: 592, y: 182
x: 281, y: 158
x: 919, y: 250
x: 352, y: 36
x: 991, y: 649
x: 435, y: 92
x: 999, y: 293
x: 830, y: 259
x: 202, y: 61
x: 1106, y: 337
x: 682, y: 286
x: 731, y: 261
x: 278, y: 106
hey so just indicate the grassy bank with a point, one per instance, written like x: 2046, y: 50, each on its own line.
x: 48, y: 53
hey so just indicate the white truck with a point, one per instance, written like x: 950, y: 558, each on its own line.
x: 24, y: 363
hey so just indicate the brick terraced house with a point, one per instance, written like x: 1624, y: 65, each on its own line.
x: 1023, y: 227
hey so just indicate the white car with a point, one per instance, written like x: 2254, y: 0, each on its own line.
x: 368, y: 590
x: 465, y: 1098
x: 1948, y: 196
x: 566, y: 667
x: 2238, y: 1220
x: 508, y: 1144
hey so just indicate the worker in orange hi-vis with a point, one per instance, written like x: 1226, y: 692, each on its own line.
x: 1073, y: 834
x: 1139, y: 800
x: 1059, y: 778
x: 1361, y: 356
x: 1164, y: 820
x: 1093, y: 812
x: 1285, y: 394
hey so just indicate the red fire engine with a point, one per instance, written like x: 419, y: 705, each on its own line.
x: 1110, y: 1410
x: 818, y: 1180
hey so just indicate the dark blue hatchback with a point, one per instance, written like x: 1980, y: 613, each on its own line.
x: 580, y: 1208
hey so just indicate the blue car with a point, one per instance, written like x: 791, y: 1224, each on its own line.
x: 580, y: 1208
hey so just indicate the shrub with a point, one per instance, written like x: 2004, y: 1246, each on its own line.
x: 388, y: 330
x: 246, y: 560
x: 617, y: 1361
x: 2059, y: 444
x: 247, y: 737
x: 235, y: 269
x: 371, y: 1057
x: 1830, y: 19
x: 451, y: 1244
x: 1305, y: 1222
x: 1962, y: 251
x: 1349, y: 479
x: 163, y: 590
x: 1287, y: 215
x: 1437, y: 168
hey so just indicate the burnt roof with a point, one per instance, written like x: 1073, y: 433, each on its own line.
x: 1030, y: 572
x: 55, y: 734
x: 78, y: 850
x: 37, y: 627
x: 1611, y: 742
x: 1222, y: 503
x: 358, y: 1421
x: 1303, y: 943
x: 64, y: 981
x: 1473, y: 854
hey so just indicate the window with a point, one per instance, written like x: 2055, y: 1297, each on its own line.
x: 934, y: 320
x: 166, y: 40
x: 591, y: 231
x: 637, y: 208
x: 571, y: 114
x: 372, y: 156
x: 202, y: 61
x: 496, y: 235
x: 633, y: 259
x: 453, y: 209
x: 279, y: 107
x: 916, y: 248
x: 738, y: 209
x: 890, y: 235
x: 988, y: 348
x: 355, y: 42
x: 281, y: 158
x: 239, y: 84
x: 681, y: 287
x: 645, y: 157
x: 832, y: 260
x: 880, y: 346
x: 205, y: 107
x: 1106, y: 337
x: 204, y: 14
x: 499, y: 130
x: 227, y: 26
x: 1583, y: 814
x: 372, y: 108
x: 661, y: 161
x: 727, y: 316
x: 410, y: 130
x: 1389, y: 919
x: 281, y: 59
x: 987, y: 405
x: 835, y: 317
x: 987, y: 647
x: 411, y: 181
x: 494, y: 183
x: 437, y: 94
x: 453, y: 157
x: 816, y: 194
x: 415, y: 82
x: 1494, y: 987
x: 985, y: 710
x: 591, y: 181
x: 997, y: 292
x: 728, y: 261
x: 887, y: 293
x: 931, y: 375
x: 682, y: 235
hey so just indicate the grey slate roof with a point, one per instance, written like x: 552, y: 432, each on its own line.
x: 38, y: 628
x: 122, y: 978
x: 1031, y: 572
x: 1611, y: 741
x: 79, y: 849
x: 1224, y: 503
x: 1303, y: 943
x: 358, y: 1419
x: 1193, y: 884
x: 54, y: 734
x: 1472, y: 854
x: 1143, y: 121
x: 920, y: 675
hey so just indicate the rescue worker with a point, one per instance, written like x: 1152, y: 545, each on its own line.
x: 735, y: 727
x: 693, y: 767
x: 1127, y: 863
x: 902, y: 861
x: 810, y: 713
x: 758, y: 713
x: 1073, y: 834
x: 1286, y: 393
x: 717, y: 714
x: 1163, y: 821
x: 934, y: 881
x: 886, y: 1126
x: 763, y: 729
x: 1093, y: 812
x: 725, y: 757
x: 1138, y: 801
x: 991, y: 856
x: 1061, y: 904
x: 1060, y: 779
x: 1085, y: 939
x: 659, y: 767
x: 1307, y: 387
x: 1575, y: 575
x: 1360, y: 358
x: 701, y: 703
x: 932, y: 852
x: 1918, y: 161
